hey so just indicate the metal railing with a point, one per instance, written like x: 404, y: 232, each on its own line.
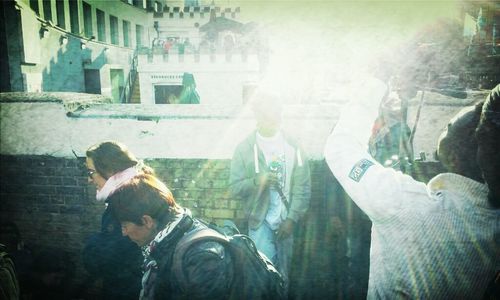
x: 126, y: 95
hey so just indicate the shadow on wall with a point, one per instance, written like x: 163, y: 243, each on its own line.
x: 72, y: 69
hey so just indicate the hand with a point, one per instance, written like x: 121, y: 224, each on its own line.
x: 285, y: 230
x: 267, y: 179
x: 273, y: 180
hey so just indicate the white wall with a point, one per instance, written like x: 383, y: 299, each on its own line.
x: 218, y: 82
x: 169, y: 131
x: 185, y: 131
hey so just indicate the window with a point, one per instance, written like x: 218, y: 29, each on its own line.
x: 34, y: 6
x: 126, y: 33
x: 180, y: 93
x: 158, y: 7
x: 101, y: 26
x: 167, y: 94
x: 73, y: 16
x: 87, y: 20
x: 113, y: 24
x: 61, y: 20
x: 139, y: 33
x: 92, y: 81
x: 47, y: 10
x: 117, y: 84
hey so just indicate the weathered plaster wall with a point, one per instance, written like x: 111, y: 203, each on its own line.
x: 151, y: 131
x: 186, y: 131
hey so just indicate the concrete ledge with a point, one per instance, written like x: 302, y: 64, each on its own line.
x: 71, y: 101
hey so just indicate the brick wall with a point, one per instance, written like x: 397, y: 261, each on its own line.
x: 54, y: 207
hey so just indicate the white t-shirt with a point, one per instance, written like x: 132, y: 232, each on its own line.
x: 280, y: 156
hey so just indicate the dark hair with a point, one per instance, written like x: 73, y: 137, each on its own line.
x: 488, y: 139
x: 457, y: 151
x: 143, y: 195
x: 10, y: 235
x: 111, y: 157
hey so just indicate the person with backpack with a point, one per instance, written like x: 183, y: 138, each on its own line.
x: 184, y: 259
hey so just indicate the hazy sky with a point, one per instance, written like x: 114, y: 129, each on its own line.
x: 311, y: 38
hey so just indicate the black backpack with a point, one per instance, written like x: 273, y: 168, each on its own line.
x: 255, y: 277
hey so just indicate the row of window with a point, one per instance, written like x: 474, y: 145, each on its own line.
x: 88, y: 30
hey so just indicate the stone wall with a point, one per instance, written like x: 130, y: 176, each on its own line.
x: 53, y: 205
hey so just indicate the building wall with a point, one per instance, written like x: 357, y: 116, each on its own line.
x: 219, y: 80
x: 46, y: 57
x: 50, y: 58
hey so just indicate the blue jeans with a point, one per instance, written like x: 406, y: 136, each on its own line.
x: 279, y: 252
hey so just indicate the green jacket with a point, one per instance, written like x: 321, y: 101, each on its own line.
x: 247, y: 162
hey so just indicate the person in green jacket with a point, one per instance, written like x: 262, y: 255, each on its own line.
x: 270, y: 173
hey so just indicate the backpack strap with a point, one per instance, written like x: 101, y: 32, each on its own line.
x: 189, y: 239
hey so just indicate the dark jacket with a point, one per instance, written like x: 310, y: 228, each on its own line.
x: 114, y: 258
x: 207, y: 265
x: 244, y: 169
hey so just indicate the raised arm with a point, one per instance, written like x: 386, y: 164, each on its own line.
x: 378, y: 191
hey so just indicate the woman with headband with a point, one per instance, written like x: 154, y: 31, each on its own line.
x: 108, y: 255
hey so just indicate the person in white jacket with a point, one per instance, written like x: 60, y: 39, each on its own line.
x: 429, y: 241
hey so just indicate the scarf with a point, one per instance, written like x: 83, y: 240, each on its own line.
x: 117, y: 180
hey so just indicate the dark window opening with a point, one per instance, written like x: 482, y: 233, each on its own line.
x: 73, y: 16
x: 158, y: 7
x: 101, y: 26
x: 87, y: 20
x: 34, y: 6
x: 167, y: 94
x: 139, y: 33
x: 92, y: 81
x: 126, y: 33
x: 113, y: 24
x: 61, y: 19
x: 47, y: 10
